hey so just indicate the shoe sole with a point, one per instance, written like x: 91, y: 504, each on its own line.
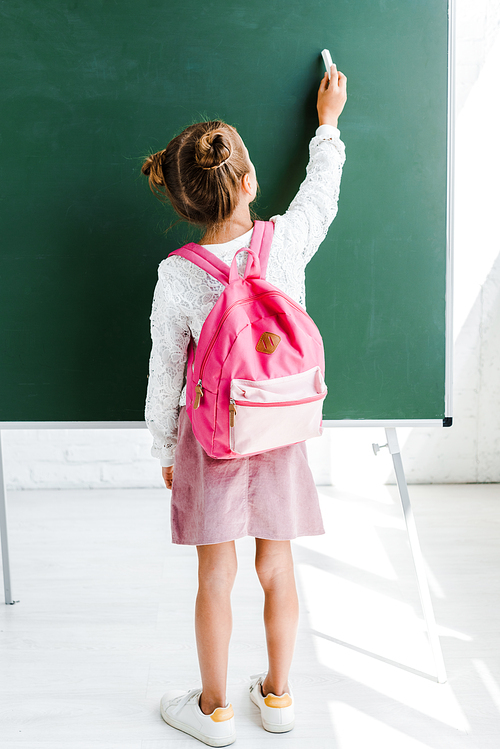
x: 195, y: 733
x: 273, y: 727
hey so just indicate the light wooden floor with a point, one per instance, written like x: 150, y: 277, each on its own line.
x: 104, y: 624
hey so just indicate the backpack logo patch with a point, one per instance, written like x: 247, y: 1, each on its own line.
x: 268, y: 343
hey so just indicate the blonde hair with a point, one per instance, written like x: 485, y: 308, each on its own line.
x: 200, y: 172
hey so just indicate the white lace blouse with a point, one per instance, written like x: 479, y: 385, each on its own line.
x: 184, y: 294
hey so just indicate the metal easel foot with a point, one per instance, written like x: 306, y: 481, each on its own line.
x: 418, y: 560
x: 3, y: 532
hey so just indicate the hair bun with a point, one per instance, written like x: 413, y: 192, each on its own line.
x: 152, y: 168
x: 212, y: 149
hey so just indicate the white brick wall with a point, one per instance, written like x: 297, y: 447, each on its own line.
x: 470, y: 450
x: 97, y: 458
x: 79, y: 458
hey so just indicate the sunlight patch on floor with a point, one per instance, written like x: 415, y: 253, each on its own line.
x: 365, y: 618
x: 356, y: 729
x: 489, y: 681
x: 412, y: 694
x: 352, y: 537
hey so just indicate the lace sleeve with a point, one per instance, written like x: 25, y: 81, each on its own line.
x: 170, y: 336
x: 313, y: 209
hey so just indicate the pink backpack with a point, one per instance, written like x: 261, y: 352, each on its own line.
x: 256, y: 380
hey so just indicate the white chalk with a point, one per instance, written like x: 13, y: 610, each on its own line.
x: 327, y: 59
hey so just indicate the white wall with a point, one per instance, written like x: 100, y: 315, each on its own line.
x: 470, y: 450
x: 79, y: 458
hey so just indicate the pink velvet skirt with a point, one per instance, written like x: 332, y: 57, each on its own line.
x: 271, y: 495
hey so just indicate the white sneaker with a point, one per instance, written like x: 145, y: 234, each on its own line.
x: 182, y: 710
x: 277, y: 713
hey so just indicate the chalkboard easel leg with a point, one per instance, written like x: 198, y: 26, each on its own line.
x: 418, y: 560
x: 3, y: 531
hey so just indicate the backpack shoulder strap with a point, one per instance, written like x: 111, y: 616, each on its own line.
x: 262, y: 237
x: 261, y: 243
x: 205, y: 260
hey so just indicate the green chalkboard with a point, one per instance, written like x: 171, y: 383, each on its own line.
x: 90, y: 86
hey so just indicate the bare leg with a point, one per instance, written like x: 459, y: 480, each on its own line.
x: 217, y: 567
x: 274, y: 566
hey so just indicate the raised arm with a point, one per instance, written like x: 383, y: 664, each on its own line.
x: 314, y: 207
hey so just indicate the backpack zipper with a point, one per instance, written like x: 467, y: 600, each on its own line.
x: 253, y: 404
x: 199, y: 388
x: 232, y: 412
x: 199, y: 393
x: 233, y: 403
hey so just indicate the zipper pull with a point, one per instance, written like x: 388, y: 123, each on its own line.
x: 199, y: 393
x: 232, y: 411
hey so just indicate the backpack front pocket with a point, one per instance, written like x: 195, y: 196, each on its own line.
x: 266, y: 414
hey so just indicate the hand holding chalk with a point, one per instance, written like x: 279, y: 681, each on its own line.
x: 327, y: 59
x: 332, y: 94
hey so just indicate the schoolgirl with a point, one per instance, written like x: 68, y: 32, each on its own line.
x: 207, y: 175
